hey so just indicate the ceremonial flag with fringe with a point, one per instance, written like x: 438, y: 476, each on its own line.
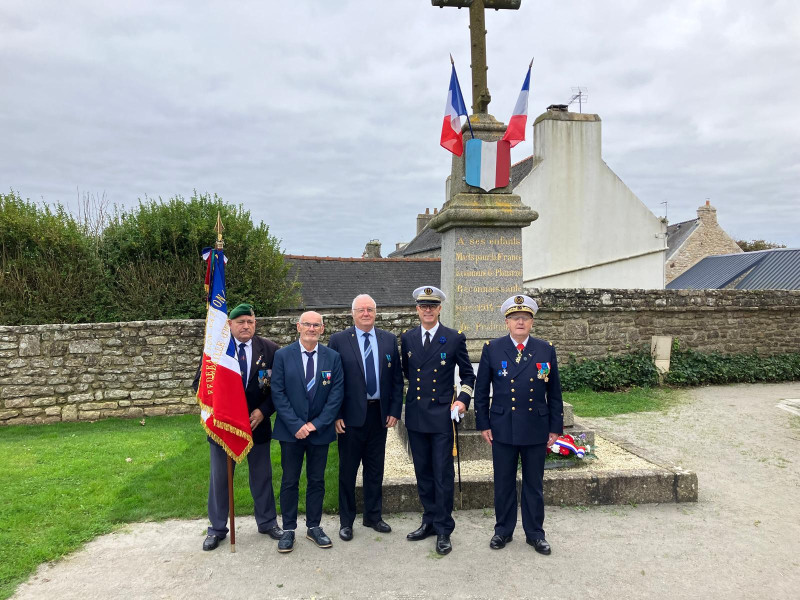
x: 223, y: 406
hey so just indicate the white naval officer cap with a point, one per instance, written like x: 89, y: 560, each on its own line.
x: 427, y: 294
x: 519, y: 304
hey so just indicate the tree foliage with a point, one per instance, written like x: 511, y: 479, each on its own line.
x: 142, y: 264
x: 754, y: 245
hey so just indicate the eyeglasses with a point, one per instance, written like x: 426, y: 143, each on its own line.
x: 522, y: 317
x: 361, y: 311
x: 427, y: 307
x: 311, y: 325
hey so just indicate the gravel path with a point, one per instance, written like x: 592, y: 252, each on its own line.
x: 741, y: 540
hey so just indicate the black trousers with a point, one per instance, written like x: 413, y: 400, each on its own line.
x: 260, y: 471
x: 433, y: 465
x: 367, y: 445
x: 505, y: 458
x: 292, y: 454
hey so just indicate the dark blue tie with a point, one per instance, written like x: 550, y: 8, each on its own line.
x: 309, y: 373
x: 243, y: 363
x: 369, y: 367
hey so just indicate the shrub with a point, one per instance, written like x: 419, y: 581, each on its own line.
x: 612, y: 373
x: 50, y: 271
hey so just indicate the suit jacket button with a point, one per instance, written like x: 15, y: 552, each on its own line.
x: 512, y: 389
x: 435, y: 371
x: 418, y: 398
x: 418, y: 372
x: 531, y: 377
x: 512, y: 381
x: 513, y: 408
x: 513, y: 399
x: 433, y: 390
x: 434, y: 381
x: 417, y: 378
x: 530, y: 409
x: 433, y: 399
x: 531, y: 390
x: 418, y: 387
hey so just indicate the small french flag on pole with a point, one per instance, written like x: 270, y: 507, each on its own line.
x: 515, y: 132
x: 451, y: 127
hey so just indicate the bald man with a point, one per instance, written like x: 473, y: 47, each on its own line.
x: 307, y: 391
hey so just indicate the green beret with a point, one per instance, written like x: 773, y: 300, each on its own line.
x: 242, y: 309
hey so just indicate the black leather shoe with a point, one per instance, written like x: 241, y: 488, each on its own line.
x: 316, y: 535
x: 275, y: 532
x: 499, y: 541
x: 286, y: 544
x: 346, y: 533
x: 211, y: 542
x: 425, y: 530
x: 443, y: 545
x: 541, y: 546
x: 380, y: 526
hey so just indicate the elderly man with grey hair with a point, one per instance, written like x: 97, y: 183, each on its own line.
x: 373, y: 399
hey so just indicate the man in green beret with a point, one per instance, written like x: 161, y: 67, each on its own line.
x: 255, y: 356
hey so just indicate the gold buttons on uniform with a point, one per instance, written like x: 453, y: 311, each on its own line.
x: 418, y: 380
x: 530, y: 409
x: 531, y: 377
x: 513, y: 408
x: 418, y: 372
x: 417, y: 387
x: 512, y: 381
x: 531, y: 390
x: 433, y: 390
x: 435, y: 371
x: 512, y: 389
x: 513, y: 399
x: 434, y: 381
x: 419, y: 398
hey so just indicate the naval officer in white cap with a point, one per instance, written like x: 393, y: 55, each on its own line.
x: 430, y: 354
x: 526, y: 416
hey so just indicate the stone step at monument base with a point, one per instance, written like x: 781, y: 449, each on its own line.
x: 472, y: 447
x: 468, y: 422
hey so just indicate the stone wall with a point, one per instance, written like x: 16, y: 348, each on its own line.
x: 54, y: 373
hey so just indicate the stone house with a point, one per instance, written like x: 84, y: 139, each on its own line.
x: 691, y: 241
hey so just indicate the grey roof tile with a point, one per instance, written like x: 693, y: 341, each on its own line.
x: 776, y: 269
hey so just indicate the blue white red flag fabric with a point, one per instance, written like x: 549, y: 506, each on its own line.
x: 515, y: 132
x: 487, y: 164
x: 453, y: 110
x: 223, y: 406
x: 206, y: 254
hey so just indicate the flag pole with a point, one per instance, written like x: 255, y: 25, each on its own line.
x: 231, y: 512
x: 230, y: 504
x: 453, y: 64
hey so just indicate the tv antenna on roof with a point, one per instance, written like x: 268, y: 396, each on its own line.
x: 581, y: 94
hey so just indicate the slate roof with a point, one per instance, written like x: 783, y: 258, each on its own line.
x: 520, y: 170
x: 426, y: 240
x: 678, y: 233
x: 333, y: 282
x: 776, y: 269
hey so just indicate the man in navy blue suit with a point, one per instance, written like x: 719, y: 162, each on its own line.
x: 526, y: 415
x: 373, y: 399
x: 430, y: 354
x: 307, y: 389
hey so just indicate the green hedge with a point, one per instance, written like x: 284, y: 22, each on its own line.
x: 141, y: 264
x: 607, y: 374
x: 688, y: 367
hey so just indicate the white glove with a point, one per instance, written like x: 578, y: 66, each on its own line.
x: 454, y: 414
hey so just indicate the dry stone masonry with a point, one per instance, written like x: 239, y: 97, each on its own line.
x: 52, y: 373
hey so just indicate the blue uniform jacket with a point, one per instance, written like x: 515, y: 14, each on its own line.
x: 390, y: 376
x: 524, y: 408
x: 291, y: 402
x: 431, y: 378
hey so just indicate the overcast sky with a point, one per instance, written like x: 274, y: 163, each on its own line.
x: 322, y: 117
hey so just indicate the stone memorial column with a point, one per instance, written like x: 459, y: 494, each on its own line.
x: 481, y: 248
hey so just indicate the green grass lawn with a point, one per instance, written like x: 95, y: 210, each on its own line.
x: 606, y: 404
x: 63, y: 484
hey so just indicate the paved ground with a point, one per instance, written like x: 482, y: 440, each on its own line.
x: 741, y: 540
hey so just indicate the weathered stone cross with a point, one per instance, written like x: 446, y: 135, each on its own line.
x: 477, y: 27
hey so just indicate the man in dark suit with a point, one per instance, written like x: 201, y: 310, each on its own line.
x: 307, y: 388
x: 255, y: 356
x: 373, y: 399
x: 525, y: 417
x: 430, y: 354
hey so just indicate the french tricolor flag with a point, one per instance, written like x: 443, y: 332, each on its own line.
x: 451, y: 127
x: 515, y: 132
x: 223, y: 406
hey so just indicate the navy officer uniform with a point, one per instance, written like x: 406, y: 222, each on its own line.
x: 524, y: 418
x: 430, y: 354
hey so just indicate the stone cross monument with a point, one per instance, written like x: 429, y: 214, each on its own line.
x: 481, y: 231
